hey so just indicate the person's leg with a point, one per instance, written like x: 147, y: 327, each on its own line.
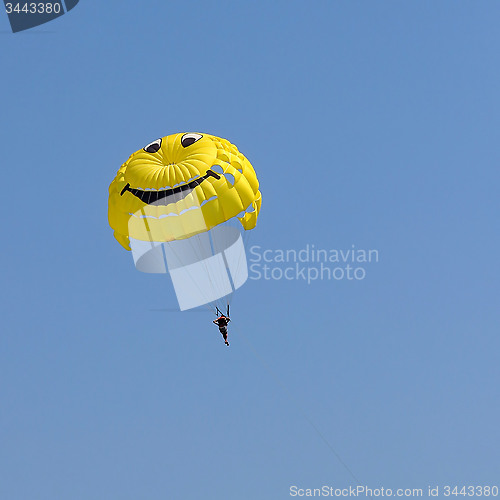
x: 224, y: 335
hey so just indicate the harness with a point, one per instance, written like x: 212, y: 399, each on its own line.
x: 219, y: 313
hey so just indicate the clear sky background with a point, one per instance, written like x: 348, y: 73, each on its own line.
x: 374, y: 124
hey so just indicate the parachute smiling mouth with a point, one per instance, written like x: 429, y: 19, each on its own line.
x: 165, y: 195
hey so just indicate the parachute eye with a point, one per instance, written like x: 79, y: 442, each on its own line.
x: 188, y: 139
x: 153, y: 147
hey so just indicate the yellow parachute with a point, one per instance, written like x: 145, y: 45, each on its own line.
x: 171, y: 202
x: 172, y: 180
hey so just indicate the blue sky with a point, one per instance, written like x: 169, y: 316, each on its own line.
x: 372, y: 124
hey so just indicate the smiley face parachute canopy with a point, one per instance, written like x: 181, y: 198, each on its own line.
x: 174, y: 204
